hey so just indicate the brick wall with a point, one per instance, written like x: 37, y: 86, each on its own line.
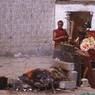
x: 26, y: 26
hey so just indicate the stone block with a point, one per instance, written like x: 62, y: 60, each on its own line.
x: 73, y: 75
x: 67, y: 84
x: 66, y: 65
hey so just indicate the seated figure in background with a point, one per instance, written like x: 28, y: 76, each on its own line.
x: 81, y: 35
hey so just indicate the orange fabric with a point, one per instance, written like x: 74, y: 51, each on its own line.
x: 29, y: 74
x: 59, y: 33
x: 91, y: 33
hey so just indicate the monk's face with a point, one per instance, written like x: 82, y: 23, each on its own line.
x: 60, y: 25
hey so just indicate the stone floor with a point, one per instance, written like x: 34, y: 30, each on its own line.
x: 13, y: 67
x: 79, y: 91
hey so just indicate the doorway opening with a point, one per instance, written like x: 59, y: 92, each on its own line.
x: 78, y: 19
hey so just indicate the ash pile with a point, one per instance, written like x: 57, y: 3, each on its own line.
x: 56, y: 77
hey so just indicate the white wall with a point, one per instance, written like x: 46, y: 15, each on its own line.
x: 61, y: 10
x: 26, y: 26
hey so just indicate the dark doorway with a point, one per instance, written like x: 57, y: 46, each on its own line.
x: 78, y: 19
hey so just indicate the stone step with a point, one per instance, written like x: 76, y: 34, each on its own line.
x: 66, y: 65
x: 67, y: 84
x: 72, y: 75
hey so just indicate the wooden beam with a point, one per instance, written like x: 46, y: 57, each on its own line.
x: 86, y: 2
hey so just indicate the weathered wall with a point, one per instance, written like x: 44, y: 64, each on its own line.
x: 62, y: 10
x: 26, y: 26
